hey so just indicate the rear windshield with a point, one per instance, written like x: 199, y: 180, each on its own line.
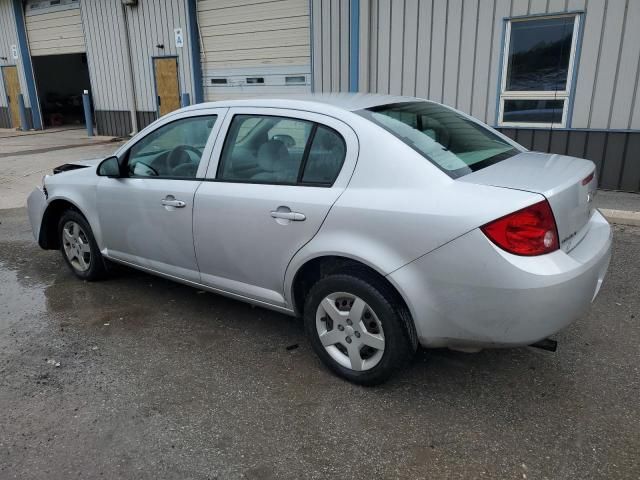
x: 455, y: 144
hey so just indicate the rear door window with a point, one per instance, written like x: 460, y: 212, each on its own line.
x: 280, y: 150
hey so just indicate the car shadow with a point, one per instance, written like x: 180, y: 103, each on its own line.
x: 429, y: 366
x: 137, y: 303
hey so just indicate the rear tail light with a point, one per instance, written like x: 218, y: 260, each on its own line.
x: 587, y: 179
x: 530, y: 231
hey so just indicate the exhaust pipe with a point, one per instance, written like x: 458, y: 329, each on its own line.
x: 546, y: 344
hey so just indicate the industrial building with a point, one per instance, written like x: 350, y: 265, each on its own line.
x: 556, y: 75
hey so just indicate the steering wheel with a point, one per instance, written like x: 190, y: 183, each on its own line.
x: 151, y: 169
x: 179, y: 156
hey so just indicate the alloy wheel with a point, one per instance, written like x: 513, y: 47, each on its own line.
x: 350, y: 331
x: 76, y: 246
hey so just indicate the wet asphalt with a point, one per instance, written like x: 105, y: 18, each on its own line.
x: 159, y: 380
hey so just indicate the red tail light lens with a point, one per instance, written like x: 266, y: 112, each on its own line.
x: 530, y: 231
x: 587, y: 179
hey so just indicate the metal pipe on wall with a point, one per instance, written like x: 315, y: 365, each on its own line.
x: 23, y: 49
x: 129, y: 72
x: 24, y: 123
x: 88, y: 114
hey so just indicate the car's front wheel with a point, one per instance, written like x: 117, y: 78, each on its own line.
x: 79, y: 248
x: 357, y: 327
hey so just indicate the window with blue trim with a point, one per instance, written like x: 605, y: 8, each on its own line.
x: 537, y: 71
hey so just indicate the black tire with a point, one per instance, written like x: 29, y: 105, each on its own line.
x: 96, y: 269
x: 399, y: 332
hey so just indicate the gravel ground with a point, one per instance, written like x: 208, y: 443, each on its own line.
x: 138, y: 377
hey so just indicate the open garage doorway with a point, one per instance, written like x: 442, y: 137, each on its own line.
x: 61, y: 79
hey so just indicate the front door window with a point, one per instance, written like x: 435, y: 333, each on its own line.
x: 173, y: 150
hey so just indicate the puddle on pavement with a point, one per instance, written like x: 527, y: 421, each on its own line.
x: 18, y: 300
x: 34, y: 282
x: 23, y: 276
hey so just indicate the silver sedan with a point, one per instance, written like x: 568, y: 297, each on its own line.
x: 385, y: 222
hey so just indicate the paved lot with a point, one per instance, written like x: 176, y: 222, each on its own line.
x: 26, y: 156
x: 16, y: 142
x: 157, y: 380
x: 618, y: 200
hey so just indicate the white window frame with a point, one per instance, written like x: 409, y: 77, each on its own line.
x: 532, y: 94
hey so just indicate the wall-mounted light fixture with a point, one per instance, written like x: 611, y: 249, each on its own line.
x: 160, y: 46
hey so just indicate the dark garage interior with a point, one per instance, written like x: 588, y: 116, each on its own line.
x: 61, y: 79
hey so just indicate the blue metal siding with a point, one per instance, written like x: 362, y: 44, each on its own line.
x: 23, y: 46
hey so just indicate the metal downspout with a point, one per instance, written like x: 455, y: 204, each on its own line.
x: 129, y: 73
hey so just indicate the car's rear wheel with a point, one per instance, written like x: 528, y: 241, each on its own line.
x: 79, y: 248
x: 358, y: 328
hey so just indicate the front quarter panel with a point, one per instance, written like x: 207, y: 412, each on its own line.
x: 36, y: 206
x: 77, y: 187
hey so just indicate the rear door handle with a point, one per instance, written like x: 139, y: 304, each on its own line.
x: 170, y: 201
x: 293, y: 216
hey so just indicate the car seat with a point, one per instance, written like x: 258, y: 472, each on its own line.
x: 275, y: 163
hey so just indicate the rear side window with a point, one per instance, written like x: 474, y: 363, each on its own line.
x: 280, y: 150
x: 452, y: 142
x: 326, y: 157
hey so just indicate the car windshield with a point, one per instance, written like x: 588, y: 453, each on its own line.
x: 455, y: 144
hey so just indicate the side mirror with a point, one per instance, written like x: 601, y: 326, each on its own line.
x: 109, y: 167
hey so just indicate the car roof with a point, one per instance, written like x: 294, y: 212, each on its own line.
x: 344, y: 101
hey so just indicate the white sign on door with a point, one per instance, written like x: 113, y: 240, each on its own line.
x: 14, y: 51
x: 179, y: 38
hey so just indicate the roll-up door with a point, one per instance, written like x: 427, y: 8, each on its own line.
x: 254, y: 47
x: 54, y: 27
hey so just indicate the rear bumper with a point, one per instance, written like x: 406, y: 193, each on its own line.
x: 36, y: 205
x: 470, y: 293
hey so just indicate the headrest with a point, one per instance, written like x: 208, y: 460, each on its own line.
x: 272, y: 154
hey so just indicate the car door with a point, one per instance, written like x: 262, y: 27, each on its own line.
x: 278, y: 174
x: 146, y: 215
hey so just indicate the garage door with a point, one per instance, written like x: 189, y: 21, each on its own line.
x: 54, y: 27
x: 254, y: 48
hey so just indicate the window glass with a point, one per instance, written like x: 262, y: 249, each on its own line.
x: 173, y: 150
x: 246, y: 127
x: 452, y: 142
x: 294, y: 133
x: 537, y: 78
x: 269, y: 151
x: 539, y: 54
x: 533, y: 111
x: 326, y: 156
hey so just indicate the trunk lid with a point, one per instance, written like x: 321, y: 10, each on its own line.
x: 568, y: 183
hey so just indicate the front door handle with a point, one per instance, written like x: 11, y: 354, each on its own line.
x: 170, y: 201
x: 293, y: 216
